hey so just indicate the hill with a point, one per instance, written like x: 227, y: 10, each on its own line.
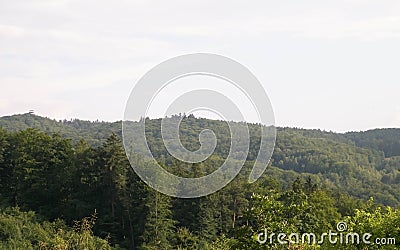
x: 76, y: 174
x: 386, y: 140
x: 94, y: 132
x: 356, y: 163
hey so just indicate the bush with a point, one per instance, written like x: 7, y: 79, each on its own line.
x: 23, y: 230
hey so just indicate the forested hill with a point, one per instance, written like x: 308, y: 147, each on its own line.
x: 95, y: 132
x: 361, y: 164
x: 386, y: 140
x: 78, y: 171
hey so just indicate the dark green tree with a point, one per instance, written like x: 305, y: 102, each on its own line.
x: 113, y: 191
x: 159, y: 226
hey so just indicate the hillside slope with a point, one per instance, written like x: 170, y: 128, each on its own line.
x: 94, y: 132
x: 354, y: 163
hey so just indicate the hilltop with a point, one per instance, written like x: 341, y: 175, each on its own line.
x: 362, y: 164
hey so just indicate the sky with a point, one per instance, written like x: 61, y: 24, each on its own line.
x: 332, y: 65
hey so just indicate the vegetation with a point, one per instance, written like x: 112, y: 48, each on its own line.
x: 23, y: 230
x: 69, y: 185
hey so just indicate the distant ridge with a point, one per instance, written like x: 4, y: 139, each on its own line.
x: 386, y: 140
x: 94, y: 132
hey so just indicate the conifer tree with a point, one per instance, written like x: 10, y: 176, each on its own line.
x: 159, y: 226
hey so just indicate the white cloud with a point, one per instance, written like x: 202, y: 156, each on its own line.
x: 396, y: 120
x: 49, y: 49
x: 10, y: 31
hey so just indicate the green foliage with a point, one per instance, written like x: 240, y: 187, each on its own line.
x: 34, y: 171
x: 297, y: 212
x: 334, y: 159
x: 186, y: 239
x: 380, y: 223
x: 223, y: 243
x: 159, y: 225
x: 314, y: 180
x: 386, y: 140
x: 22, y: 230
x: 93, y: 132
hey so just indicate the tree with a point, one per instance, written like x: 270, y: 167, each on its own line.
x: 4, y: 145
x: 113, y: 190
x: 34, y: 170
x: 83, y: 182
x: 159, y: 225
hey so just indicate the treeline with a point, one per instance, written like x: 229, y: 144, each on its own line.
x: 386, y: 140
x: 50, y: 176
x: 74, y: 182
x: 334, y: 163
x: 69, y: 177
x: 95, y: 132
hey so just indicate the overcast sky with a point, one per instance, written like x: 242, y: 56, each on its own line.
x: 333, y: 65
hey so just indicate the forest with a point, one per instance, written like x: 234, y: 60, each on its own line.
x: 69, y: 185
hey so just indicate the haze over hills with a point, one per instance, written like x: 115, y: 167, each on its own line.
x: 362, y: 164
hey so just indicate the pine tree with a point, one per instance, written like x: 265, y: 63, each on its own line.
x: 83, y: 182
x: 113, y: 185
x: 206, y: 227
x: 4, y: 145
x: 159, y: 226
